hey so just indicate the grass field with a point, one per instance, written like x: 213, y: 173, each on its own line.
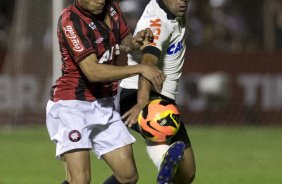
x: 224, y: 155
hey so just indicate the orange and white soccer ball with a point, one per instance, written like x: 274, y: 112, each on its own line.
x: 159, y: 120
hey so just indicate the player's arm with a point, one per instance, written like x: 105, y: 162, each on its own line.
x: 96, y: 72
x: 145, y: 86
x: 144, y: 89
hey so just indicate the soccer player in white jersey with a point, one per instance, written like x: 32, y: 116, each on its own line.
x: 166, y: 18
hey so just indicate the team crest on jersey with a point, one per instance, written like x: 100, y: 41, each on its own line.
x: 74, y: 135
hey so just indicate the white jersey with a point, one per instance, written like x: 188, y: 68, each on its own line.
x: 169, y: 38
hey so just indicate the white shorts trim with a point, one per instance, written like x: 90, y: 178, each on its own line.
x: 74, y: 124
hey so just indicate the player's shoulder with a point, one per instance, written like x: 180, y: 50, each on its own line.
x: 150, y: 13
x: 68, y: 11
x: 153, y: 10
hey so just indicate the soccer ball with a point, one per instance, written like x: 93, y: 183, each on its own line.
x: 159, y: 120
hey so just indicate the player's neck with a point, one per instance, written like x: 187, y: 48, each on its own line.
x: 107, y: 21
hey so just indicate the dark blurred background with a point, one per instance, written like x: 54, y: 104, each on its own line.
x: 233, y: 72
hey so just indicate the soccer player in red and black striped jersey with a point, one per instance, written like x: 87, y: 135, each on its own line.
x: 81, y: 114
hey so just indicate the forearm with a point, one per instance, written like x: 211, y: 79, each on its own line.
x: 145, y: 86
x: 144, y: 89
x: 97, y: 72
x: 105, y: 73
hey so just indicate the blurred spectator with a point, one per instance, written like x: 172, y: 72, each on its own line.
x: 229, y: 27
x: 132, y: 11
x: 278, y: 24
x: 6, y: 14
x: 224, y: 25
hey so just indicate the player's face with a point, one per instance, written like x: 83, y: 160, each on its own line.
x: 93, y: 6
x: 177, y: 7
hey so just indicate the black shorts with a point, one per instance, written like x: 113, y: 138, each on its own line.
x: 128, y: 98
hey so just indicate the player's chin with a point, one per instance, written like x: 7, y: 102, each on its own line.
x: 180, y: 13
x: 97, y: 12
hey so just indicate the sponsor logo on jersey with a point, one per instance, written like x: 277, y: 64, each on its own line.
x: 74, y: 135
x: 109, y: 54
x: 155, y: 26
x: 71, y: 35
x: 174, y: 48
x: 92, y: 25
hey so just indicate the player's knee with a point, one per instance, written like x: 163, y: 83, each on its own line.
x: 131, y: 178
x: 128, y: 177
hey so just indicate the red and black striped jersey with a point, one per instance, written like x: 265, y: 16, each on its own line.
x: 80, y: 34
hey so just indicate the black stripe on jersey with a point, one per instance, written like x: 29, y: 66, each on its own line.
x: 152, y: 50
x: 104, y: 31
x: 77, y: 23
x: 92, y: 37
x: 80, y: 88
x: 98, y: 92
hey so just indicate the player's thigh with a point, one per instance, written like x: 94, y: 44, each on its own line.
x: 121, y: 161
x: 77, y: 165
x: 187, y: 168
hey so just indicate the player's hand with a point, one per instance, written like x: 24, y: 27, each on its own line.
x: 143, y: 38
x: 154, y: 75
x: 131, y: 116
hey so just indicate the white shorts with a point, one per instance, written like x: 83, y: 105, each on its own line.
x: 94, y: 125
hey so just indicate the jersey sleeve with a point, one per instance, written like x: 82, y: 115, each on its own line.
x: 72, y: 33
